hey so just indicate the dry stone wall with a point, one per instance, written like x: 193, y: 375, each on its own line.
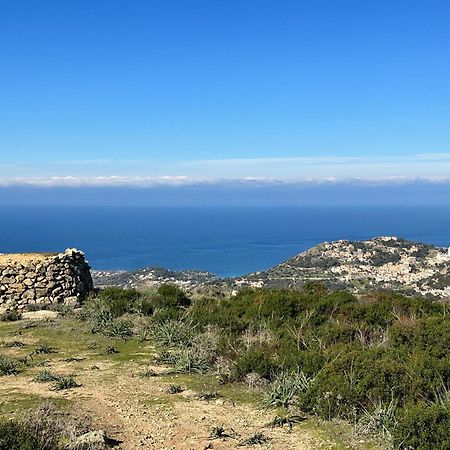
x: 27, y: 279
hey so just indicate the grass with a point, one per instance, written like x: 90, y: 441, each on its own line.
x: 339, y: 433
x: 16, y: 404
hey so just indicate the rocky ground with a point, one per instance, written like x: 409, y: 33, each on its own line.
x: 139, y: 411
x: 381, y: 263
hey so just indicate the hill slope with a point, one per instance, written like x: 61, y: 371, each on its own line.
x: 381, y: 263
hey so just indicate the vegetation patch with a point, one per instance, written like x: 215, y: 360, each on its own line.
x: 8, y: 366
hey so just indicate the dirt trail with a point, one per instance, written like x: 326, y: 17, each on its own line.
x: 138, y: 412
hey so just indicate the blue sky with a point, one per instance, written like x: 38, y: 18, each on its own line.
x: 144, y: 93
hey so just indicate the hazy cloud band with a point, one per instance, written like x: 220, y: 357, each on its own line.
x: 434, y: 168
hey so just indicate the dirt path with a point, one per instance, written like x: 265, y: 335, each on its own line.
x: 134, y: 409
x: 142, y: 414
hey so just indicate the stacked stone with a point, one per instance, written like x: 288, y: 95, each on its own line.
x: 64, y: 278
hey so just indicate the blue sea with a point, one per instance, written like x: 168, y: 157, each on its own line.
x: 225, y: 240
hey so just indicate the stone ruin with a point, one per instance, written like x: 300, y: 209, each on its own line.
x: 43, y: 279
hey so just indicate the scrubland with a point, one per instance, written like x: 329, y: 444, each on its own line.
x: 281, y: 369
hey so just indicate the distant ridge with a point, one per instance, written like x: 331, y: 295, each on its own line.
x: 381, y: 263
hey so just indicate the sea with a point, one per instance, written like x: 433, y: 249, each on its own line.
x: 228, y: 241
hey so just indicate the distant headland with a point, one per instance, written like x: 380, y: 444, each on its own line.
x: 381, y: 263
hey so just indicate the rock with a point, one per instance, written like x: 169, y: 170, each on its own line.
x: 37, y: 315
x: 92, y: 440
x: 71, y: 301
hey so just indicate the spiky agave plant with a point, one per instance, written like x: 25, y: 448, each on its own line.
x: 175, y: 389
x: 289, y: 420
x: 62, y: 383
x: 285, y: 389
x: 7, y: 366
x: 378, y: 421
x: 218, y: 432
x: 256, y: 439
x: 45, y: 376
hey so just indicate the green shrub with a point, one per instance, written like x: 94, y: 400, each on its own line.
x: 208, y: 395
x: 149, y: 373
x: 119, y: 301
x: 142, y: 328
x: 110, y: 350
x: 146, y: 307
x: 171, y: 296
x: 423, y: 427
x: 41, y: 430
x: 11, y: 316
x: 15, y: 435
x: 165, y: 314
x: 188, y: 361
x: 44, y: 349
x: 99, y: 314
x: 255, y: 361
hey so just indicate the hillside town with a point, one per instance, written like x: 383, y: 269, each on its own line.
x: 382, y: 263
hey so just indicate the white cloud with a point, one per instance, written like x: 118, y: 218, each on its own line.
x: 433, y: 168
x: 178, y: 181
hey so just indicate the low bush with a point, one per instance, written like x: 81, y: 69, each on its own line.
x: 44, y: 349
x: 119, y: 301
x: 110, y: 350
x: 175, y: 389
x: 146, y: 307
x: 423, y: 426
x: 149, y: 373
x: 171, y: 296
x: 208, y: 395
x: 10, y: 316
x: 188, y: 360
x: 41, y: 430
x: 255, y: 361
x: 16, y: 435
x: 380, y: 421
